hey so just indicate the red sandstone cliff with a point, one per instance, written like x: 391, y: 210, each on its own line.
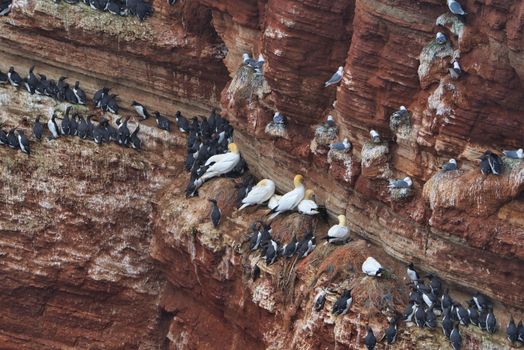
x: 77, y: 273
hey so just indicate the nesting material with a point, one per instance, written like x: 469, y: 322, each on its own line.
x: 399, y: 194
x: 276, y: 130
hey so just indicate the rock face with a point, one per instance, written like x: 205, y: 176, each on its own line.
x: 100, y: 249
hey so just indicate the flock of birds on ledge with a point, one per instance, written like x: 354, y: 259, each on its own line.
x: 211, y: 153
x: 76, y: 124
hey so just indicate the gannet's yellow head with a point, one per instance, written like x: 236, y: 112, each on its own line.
x: 298, y: 180
x: 232, y: 147
x: 262, y: 183
x: 342, y: 220
x: 309, y: 194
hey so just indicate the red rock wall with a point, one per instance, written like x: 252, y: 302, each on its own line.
x: 162, y: 286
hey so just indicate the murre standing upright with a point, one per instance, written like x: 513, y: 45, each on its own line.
x: 38, y: 129
x: 23, y: 142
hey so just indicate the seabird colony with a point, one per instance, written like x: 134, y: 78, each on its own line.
x: 211, y: 153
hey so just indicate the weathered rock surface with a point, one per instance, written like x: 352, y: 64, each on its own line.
x: 105, y: 255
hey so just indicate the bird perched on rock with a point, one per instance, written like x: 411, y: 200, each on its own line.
x: 462, y: 314
x: 455, y: 8
x: 391, y: 332
x: 53, y: 126
x: 278, y: 126
x: 370, y: 341
x: 99, y: 95
x: 271, y: 252
x: 290, y: 248
x: 3, y: 138
x: 162, y: 122
x: 440, y: 38
x: 435, y: 284
x: 431, y: 318
x: 219, y: 164
x: 455, y: 338
x: 343, y: 303
x: 320, y: 300
x: 473, y: 313
x: 335, y: 78
x: 3, y: 78
x: 338, y: 233
x: 511, y: 330
x: 514, y: 154
x: 291, y: 199
x: 420, y: 316
x: 140, y: 110
x: 450, y: 165
x: 38, y: 129
x: 481, y: 301
x: 12, y: 139
x: 409, y: 311
x: 14, y: 78
x: 491, y: 321
x: 181, y: 122
x: 375, y: 137
x: 123, y: 133
x: 412, y: 273
x: 447, y: 322
x: 5, y: 7
x: 330, y: 122
x: 306, y: 245
x: 455, y: 72
x: 252, y: 63
x: 216, y: 214
x: 372, y: 267
x: 343, y: 146
x: 23, y: 142
x: 404, y: 183
x: 79, y: 94
x: 307, y: 206
x: 520, y: 331
x: 134, y: 140
x: 490, y: 163
x: 259, y: 194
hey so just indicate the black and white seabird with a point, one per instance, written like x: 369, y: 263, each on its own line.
x: 455, y: 8
x: 391, y: 332
x: 271, y: 252
x: 420, y: 316
x: 38, y: 129
x: 82, y: 127
x: 372, y: 267
x: 343, y: 146
x: 215, y: 213
x: 5, y: 7
x: 134, y: 140
x: 375, y: 136
x: 514, y: 154
x: 483, y: 316
x: 435, y: 284
x: 320, y: 300
x: 53, y: 126
x: 330, y: 122
x: 123, y: 133
x: 455, y: 71
x: 64, y: 126
x: 306, y: 245
x: 3, y: 138
x: 403, y: 183
x: 520, y: 332
x: 450, y: 165
x: 481, y: 301
x: 447, y: 322
x: 140, y: 110
x: 23, y: 142
x: 412, y: 273
x: 90, y: 127
x: 73, y: 125
x: 290, y: 248
x: 99, y: 95
x: 162, y: 122
x: 511, y: 330
x: 473, y: 313
x: 440, y: 38
x: 431, y: 318
x: 455, y: 338
x: 409, y: 312
x: 462, y: 314
x: 491, y: 321
x: 14, y: 77
x: 31, y: 82
x: 335, y: 78
x: 113, y: 8
x: 3, y: 78
x: 343, y: 303
x: 181, y: 122
x: 12, y: 139
x: 370, y: 341
x: 79, y: 94
x: 112, y: 105
x: 171, y: 2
